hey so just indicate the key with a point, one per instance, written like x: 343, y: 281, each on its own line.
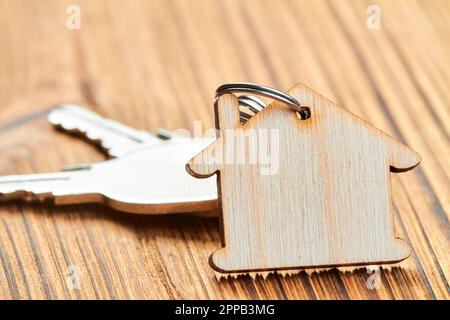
x: 150, y: 180
x: 147, y: 174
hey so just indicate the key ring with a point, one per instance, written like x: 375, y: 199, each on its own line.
x: 239, y: 87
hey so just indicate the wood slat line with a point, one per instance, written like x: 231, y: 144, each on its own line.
x: 20, y: 264
x: 152, y: 64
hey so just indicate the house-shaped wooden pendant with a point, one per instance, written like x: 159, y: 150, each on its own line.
x: 327, y: 202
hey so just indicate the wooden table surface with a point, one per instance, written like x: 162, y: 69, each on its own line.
x: 152, y: 64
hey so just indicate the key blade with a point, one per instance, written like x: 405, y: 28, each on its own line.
x: 63, y: 187
x: 151, y: 180
x: 117, y: 139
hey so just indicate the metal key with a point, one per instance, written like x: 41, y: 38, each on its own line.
x: 147, y: 175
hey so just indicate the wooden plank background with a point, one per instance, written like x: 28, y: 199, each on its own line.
x: 154, y: 64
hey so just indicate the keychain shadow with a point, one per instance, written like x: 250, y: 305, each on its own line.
x: 325, y: 284
x: 145, y: 226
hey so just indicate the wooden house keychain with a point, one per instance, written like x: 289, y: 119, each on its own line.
x: 326, y: 203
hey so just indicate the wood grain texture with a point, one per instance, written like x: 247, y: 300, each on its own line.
x: 152, y: 64
x: 303, y: 194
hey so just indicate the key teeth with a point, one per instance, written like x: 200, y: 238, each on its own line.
x: 81, y: 130
x: 25, y: 196
x: 113, y: 137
